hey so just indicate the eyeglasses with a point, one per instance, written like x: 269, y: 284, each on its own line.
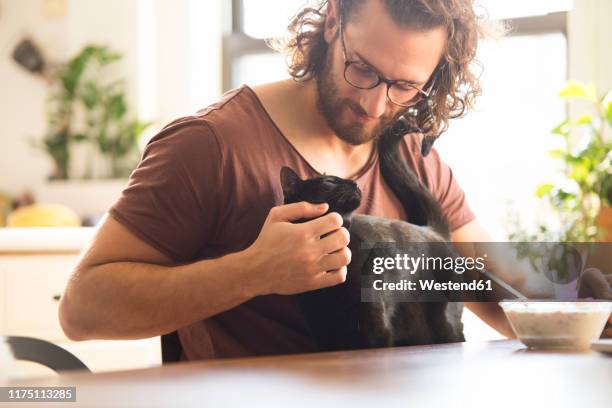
x: 362, y: 76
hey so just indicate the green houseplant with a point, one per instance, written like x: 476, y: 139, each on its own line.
x: 585, y: 193
x: 85, y: 107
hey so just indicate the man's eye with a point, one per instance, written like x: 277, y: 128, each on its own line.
x: 405, y: 87
x: 362, y: 68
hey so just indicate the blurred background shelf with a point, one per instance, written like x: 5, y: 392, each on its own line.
x: 67, y: 241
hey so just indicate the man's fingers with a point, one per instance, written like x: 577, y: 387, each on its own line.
x: 335, y: 241
x: 594, y: 284
x: 323, y: 225
x: 336, y: 260
x: 296, y: 211
x: 332, y: 278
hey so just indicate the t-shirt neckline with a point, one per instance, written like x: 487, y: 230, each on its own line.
x: 355, y: 177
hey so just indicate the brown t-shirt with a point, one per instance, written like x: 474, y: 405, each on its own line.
x: 204, y: 188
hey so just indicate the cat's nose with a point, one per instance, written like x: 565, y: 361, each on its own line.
x: 357, y: 197
x: 355, y: 201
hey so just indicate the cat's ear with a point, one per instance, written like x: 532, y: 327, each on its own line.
x: 290, y: 181
x: 427, y: 144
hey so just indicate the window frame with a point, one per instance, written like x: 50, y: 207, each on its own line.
x: 237, y: 44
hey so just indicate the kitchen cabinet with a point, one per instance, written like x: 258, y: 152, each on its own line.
x: 35, y: 267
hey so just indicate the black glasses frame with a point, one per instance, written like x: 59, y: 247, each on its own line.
x: 389, y: 82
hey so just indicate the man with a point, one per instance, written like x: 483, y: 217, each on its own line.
x: 199, y: 243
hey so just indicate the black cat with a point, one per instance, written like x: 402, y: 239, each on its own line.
x: 337, y: 316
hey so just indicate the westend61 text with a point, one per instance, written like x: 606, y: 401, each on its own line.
x: 431, y: 284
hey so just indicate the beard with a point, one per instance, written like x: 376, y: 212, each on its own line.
x: 331, y: 106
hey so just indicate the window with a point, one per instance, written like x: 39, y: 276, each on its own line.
x: 522, y: 8
x: 499, y: 151
x: 247, y: 58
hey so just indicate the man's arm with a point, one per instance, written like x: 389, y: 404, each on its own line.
x: 123, y: 288
x: 592, y: 283
x: 490, y: 312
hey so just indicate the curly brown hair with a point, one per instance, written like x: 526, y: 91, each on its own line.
x: 456, y: 86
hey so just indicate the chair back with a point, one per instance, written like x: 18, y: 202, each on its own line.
x: 43, y: 352
x: 171, y: 348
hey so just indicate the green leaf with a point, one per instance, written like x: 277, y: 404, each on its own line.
x: 79, y: 137
x: 104, y: 56
x: 571, y: 160
x: 579, y: 90
x: 584, y: 120
x: 557, y: 153
x: 89, y: 95
x: 563, y: 195
x: 608, y: 112
x: 606, y: 188
x: 580, y: 172
x: 595, y: 152
x: 561, y: 129
x: 116, y: 106
x: 140, y: 127
x: 543, y: 190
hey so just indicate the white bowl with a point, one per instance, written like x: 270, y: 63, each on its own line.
x: 549, y: 324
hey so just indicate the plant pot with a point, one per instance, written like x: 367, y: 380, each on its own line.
x: 604, y: 224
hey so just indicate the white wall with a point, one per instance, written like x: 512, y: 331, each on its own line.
x: 186, y: 55
x: 21, y: 95
x: 590, y: 39
x: 590, y: 42
x: 171, y: 63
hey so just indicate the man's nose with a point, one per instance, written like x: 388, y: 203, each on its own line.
x: 374, y: 101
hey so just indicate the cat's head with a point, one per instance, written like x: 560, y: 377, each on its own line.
x: 342, y: 195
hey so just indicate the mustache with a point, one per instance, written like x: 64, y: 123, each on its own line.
x: 384, y: 119
x: 354, y: 106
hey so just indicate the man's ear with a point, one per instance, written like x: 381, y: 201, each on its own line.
x: 331, y: 21
x: 290, y: 181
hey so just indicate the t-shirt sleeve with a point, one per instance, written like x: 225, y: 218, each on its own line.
x: 173, y: 196
x: 445, y: 187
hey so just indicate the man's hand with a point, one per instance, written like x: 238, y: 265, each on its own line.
x: 594, y: 284
x: 292, y: 258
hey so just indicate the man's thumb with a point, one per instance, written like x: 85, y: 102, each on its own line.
x: 296, y: 211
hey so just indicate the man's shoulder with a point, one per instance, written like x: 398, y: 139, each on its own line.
x: 232, y: 120
x: 237, y: 101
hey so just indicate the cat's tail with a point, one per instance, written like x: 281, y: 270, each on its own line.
x: 420, y: 205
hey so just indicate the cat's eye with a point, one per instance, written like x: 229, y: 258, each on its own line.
x: 327, y: 187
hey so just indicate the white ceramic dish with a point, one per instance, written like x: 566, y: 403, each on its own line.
x: 603, y: 346
x: 548, y: 324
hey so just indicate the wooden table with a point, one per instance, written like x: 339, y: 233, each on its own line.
x: 500, y: 373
